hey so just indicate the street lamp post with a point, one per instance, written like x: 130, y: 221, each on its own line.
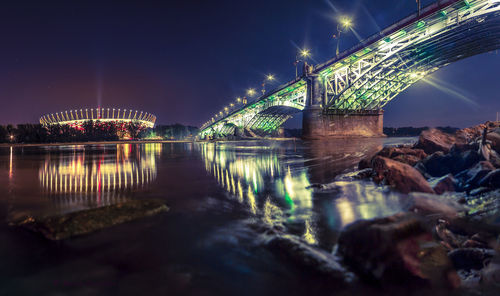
x: 303, y: 53
x: 269, y: 78
x: 344, y: 24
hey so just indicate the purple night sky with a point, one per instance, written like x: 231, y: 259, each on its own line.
x: 183, y: 60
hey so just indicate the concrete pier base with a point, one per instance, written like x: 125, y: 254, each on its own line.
x: 318, y: 124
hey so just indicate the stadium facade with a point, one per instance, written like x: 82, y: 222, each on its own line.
x: 120, y: 118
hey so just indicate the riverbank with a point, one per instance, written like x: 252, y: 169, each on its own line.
x: 93, y: 143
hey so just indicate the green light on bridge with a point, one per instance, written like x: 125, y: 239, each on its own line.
x: 387, y: 39
x: 402, y: 33
x: 467, y: 2
x: 443, y: 13
x: 420, y: 24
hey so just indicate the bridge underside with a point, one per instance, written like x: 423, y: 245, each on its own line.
x: 345, y: 96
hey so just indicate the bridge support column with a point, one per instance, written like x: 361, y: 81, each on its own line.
x: 318, y: 124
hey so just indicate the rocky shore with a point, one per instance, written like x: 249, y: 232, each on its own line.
x: 450, y: 235
x: 448, y: 238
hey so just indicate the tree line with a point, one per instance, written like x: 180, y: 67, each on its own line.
x: 92, y: 131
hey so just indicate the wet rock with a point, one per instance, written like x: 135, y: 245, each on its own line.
x: 406, y: 155
x: 392, y: 152
x: 472, y: 176
x: 490, y: 275
x: 408, y: 159
x: 470, y: 258
x: 439, y: 164
x: 309, y: 257
x: 448, y: 239
x: 395, y: 249
x: 492, y: 179
x: 494, y: 138
x: 443, y: 184
x: 494, y: 159
x: 401, y: 176
x: 433, y: 140
x: 469, y: 278
x: 87, y: 221
x: 435, y: 205
x: 471, y: 133
x: 365, y: 163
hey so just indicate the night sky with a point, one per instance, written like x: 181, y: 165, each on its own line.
x: 184, y: 60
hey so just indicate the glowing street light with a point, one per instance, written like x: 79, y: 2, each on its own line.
x: 269, y: 78
x: 345, y: 23
x: 251, y: 92
x: 304, y: 54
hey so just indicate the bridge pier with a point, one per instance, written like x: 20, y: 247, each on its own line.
x: 320, y: 124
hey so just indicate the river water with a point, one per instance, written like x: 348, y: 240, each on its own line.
x: 205, y: 244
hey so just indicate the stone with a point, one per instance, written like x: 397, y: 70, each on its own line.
x: 473, y: 175
x: 309, y: 257
x: 365, y: 163
x: 494, y: 138
x: 490, y: 275
x: 492, y: 179
x: 392, y: 152
x: 87, y: 221
x: 443, y: 184
x: 394, y: 249
x: 470, y: 258
x: 401, y: 176
x: 439, y: 164
x: 408, y: 159
x: 434, y: 205
x: 433, y: 140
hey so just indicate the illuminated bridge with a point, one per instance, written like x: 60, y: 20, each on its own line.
x: 345, y: 95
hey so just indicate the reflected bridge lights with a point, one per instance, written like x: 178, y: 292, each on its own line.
x: 263, y: 184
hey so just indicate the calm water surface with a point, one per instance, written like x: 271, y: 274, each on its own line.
x: 205, y: 245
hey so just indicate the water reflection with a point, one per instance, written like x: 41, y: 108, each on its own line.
x: 277, y: 191
x: 273, y: 182
x: 83, y: 177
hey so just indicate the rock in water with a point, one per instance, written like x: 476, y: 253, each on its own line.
x: 492, y: 179
x: 433, y: 140
x: 87, y: 221
x: 311, y: 258
x: 444, y: 184
x: 435, y: 205
x: 395, y: 249
x: 399, y: 175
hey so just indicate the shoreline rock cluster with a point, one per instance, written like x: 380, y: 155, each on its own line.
x: 451, y: 233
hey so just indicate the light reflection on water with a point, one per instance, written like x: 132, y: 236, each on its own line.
x: 86, y: 179
x: 77, y: 177
x: 274, y: 184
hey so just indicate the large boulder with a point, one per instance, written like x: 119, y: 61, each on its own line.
x: 408, y: 155
x: 433, y: 140
x: 401, y: 176
x: 395, y: 249
x: 87, y: 221
x: 439, y: 164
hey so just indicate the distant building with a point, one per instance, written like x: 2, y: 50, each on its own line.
x: 121, y: 119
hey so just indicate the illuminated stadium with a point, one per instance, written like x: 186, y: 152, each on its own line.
x: 120, y: 118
